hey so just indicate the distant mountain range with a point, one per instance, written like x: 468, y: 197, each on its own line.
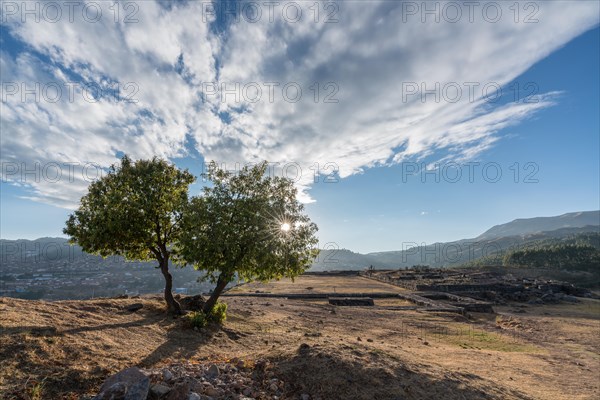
x: 495, y: 241
x: 528, y: 226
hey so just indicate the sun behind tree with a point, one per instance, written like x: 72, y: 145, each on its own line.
x: 134, y: 211
x: 248, y: 225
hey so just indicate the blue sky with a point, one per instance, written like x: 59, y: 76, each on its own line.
x: 377, y: 135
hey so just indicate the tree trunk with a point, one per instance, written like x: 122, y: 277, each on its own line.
x: 212, y: 300
x: 174, y: 306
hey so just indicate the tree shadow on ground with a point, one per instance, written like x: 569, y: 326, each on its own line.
x: 29, y: 330
x: 338, y: 374
x: 48, y: 330
x: 180, y: 343
x: 51, y: 356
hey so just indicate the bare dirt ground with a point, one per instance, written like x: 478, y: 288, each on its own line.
x: 320, y: 284
x: 66, y: 349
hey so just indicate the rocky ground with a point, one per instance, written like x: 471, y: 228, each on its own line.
x: 294, y: 349
x: 234, y: 379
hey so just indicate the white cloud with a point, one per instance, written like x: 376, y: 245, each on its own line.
x: 371, y: 56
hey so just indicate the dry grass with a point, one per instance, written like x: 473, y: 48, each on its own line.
x: 66, y: 349
x: 320, y: 284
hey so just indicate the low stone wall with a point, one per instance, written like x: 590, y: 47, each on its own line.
x: 500, y: 288
x: 467, y: 303
x: 377, y: 295
x: 351, y: 301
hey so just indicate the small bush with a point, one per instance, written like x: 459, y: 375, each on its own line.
x: 219, y: 313
x: 198, y: 319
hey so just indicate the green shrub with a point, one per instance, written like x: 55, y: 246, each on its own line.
x: 219, y: 313
x: 198, y: 319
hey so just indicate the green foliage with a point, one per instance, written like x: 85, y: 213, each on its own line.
x: 219, y: 313
x: 567, y: 256
x: 546, y: 251
x: 197, y: 319
x: 236, y: 227
x: 141, y: 210
x: 132, y: 211
x: 200, y: 319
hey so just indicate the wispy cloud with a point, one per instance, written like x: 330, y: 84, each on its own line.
x: 195, y: 80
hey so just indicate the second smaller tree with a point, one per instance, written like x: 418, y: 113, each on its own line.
x: 247, y: 225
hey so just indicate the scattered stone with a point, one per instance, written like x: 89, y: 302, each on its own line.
x: 159, y: 390
x: 303, y: 348
x: 211, y: 391
x: 129, y: 384
x: 305, y: 396
x: 312, y: 334
x: 167, y: 375
x: 192, y: 303
x: 213, y: 371
x: 211, y: 381
x: 134, y: 307
x: 180, y: 392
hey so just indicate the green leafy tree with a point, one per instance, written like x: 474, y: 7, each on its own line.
x: 134, y: 211
x: 568, y: 256
x: 247, y: 225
